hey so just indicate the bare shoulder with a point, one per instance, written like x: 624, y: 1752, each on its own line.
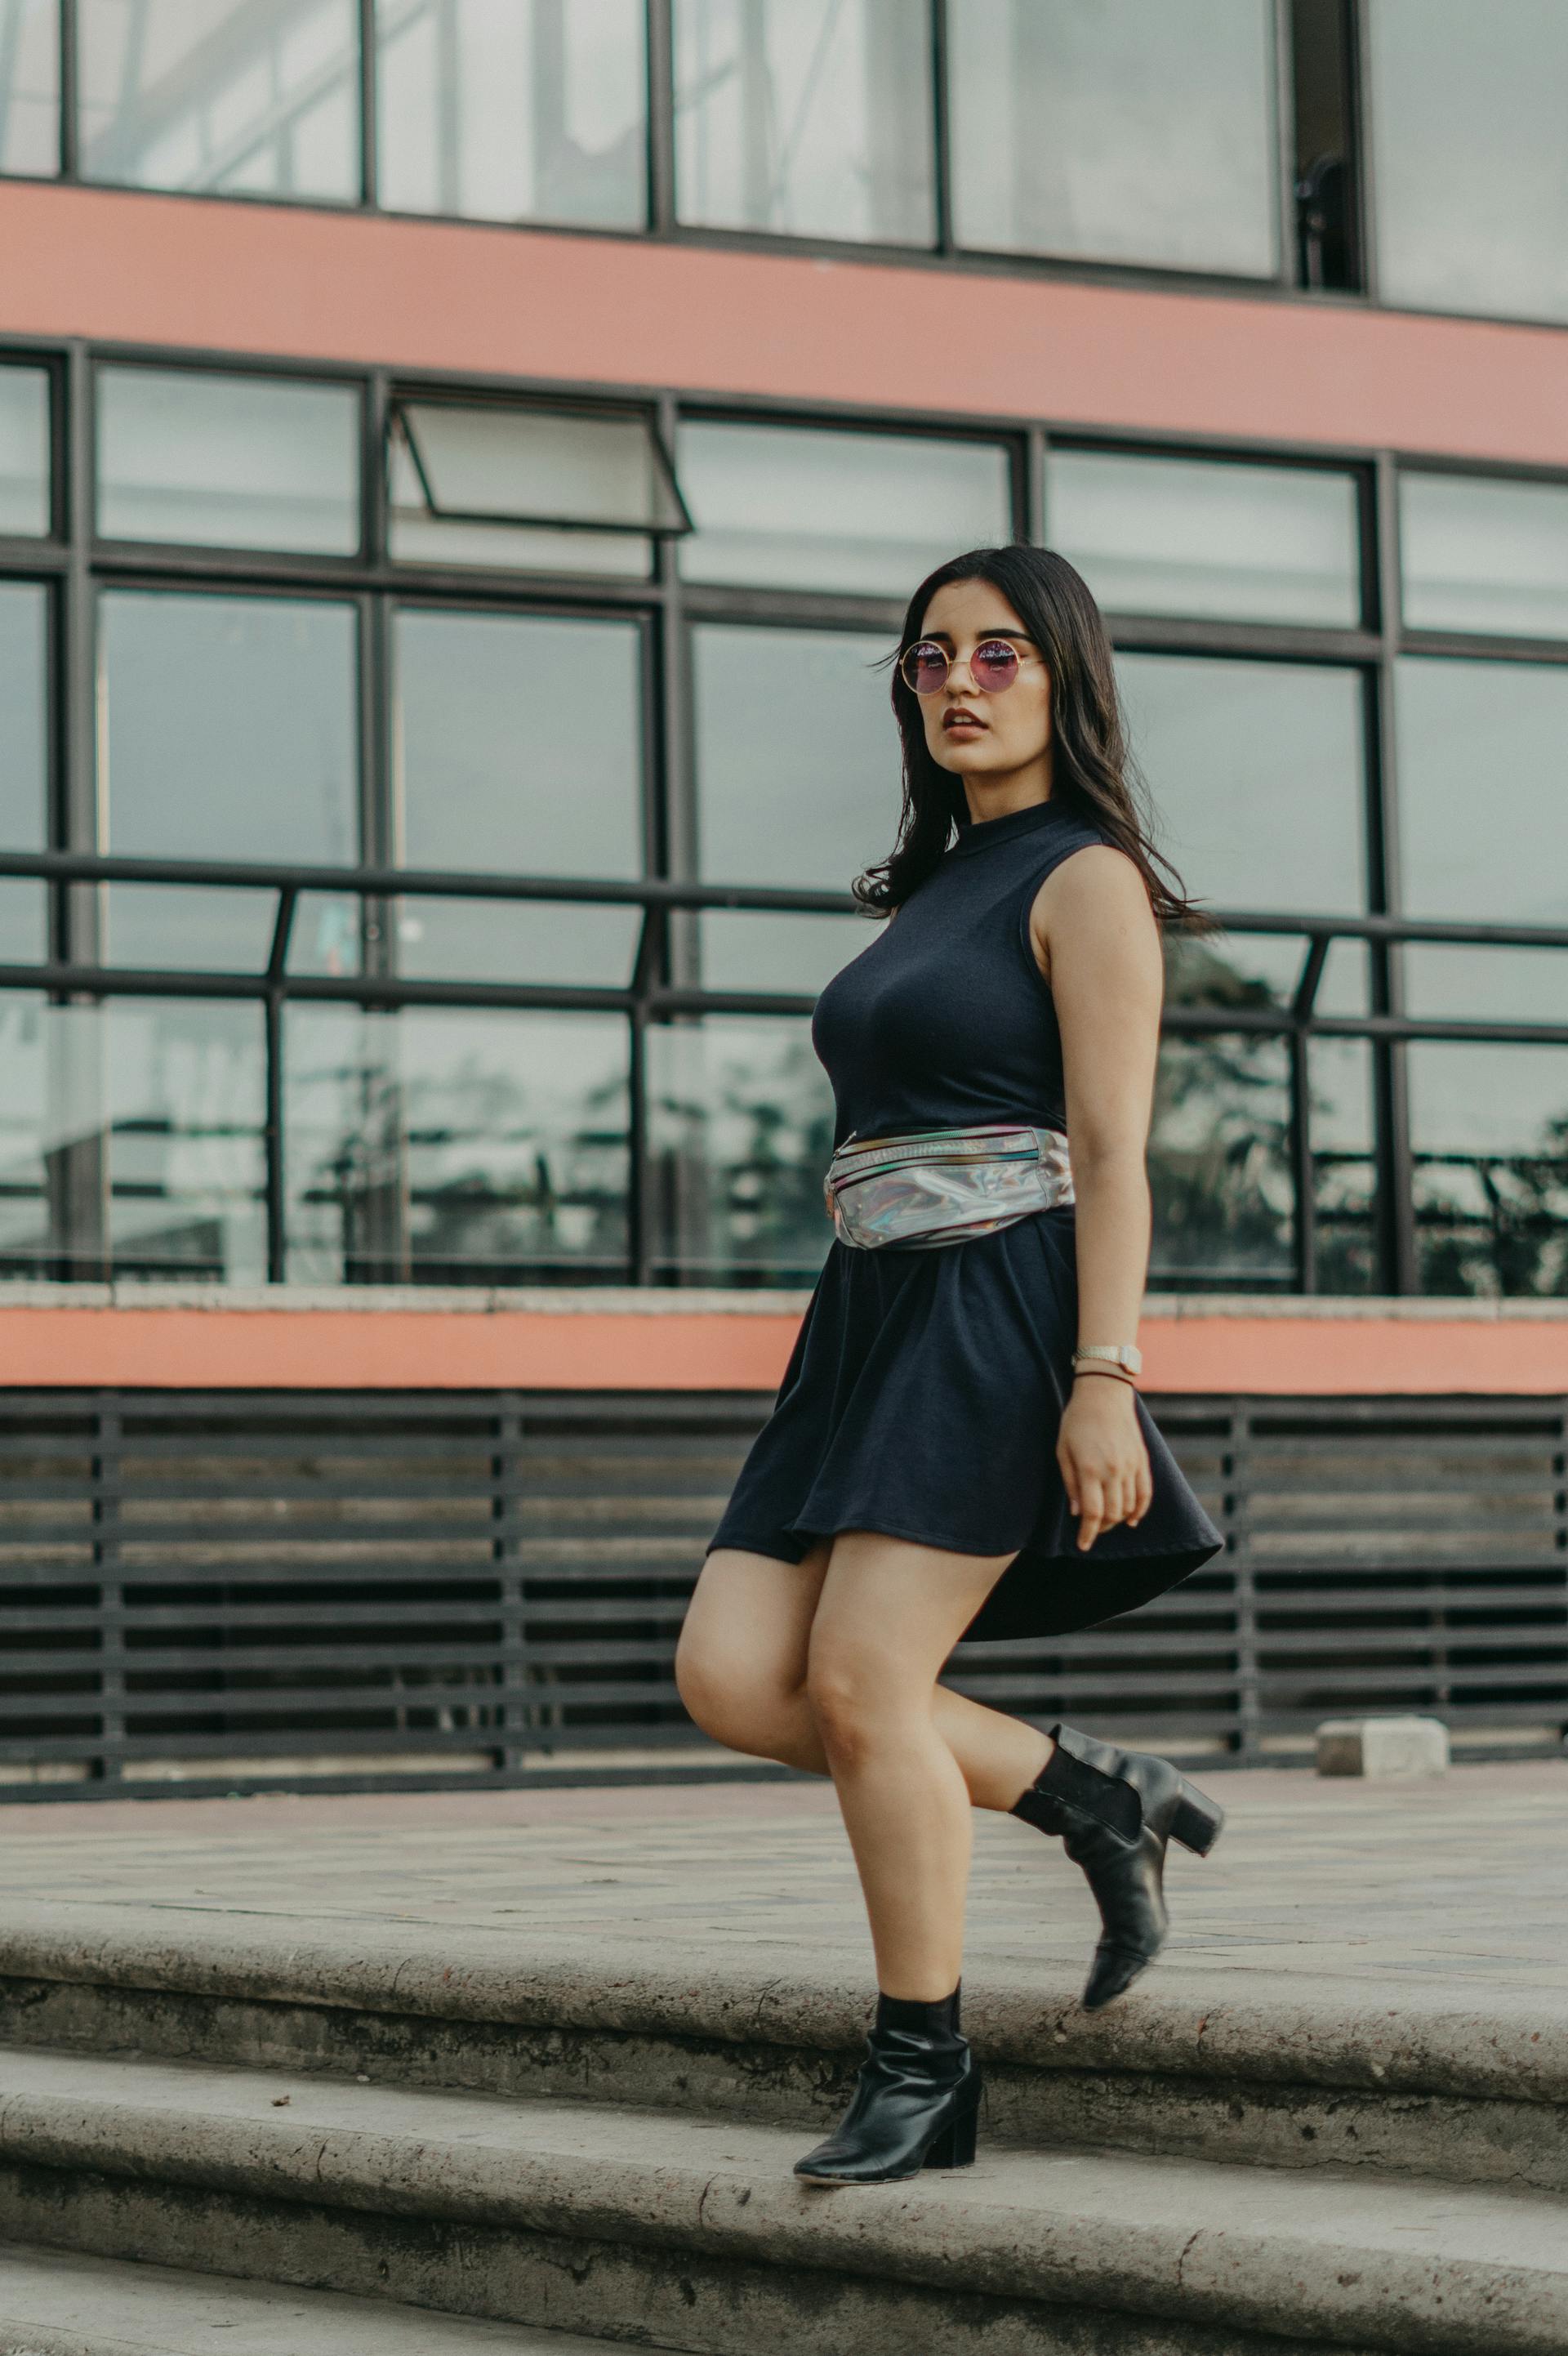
x: 1097, y: 894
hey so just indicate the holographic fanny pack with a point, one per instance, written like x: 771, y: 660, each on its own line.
x: 942, y: 1185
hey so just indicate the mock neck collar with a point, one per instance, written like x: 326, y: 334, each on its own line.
x: 980, y: 834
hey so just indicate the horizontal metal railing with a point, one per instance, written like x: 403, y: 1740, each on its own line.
x: 647, y: 998
x: 319, y: 1591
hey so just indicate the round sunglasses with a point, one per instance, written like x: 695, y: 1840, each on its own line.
x: 993, y: 666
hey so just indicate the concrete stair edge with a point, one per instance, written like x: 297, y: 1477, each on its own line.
x: 71, y: 2303
x: 1436, y: 2040
x: 1441, y: 2272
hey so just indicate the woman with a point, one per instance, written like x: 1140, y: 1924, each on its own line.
x: 904, y: 1493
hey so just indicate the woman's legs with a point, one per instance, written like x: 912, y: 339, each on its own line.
x: 743, y: 1660
x: 889, y: 1614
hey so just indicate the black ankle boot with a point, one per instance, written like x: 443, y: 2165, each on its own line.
x: 915, y: 2104
x: 1115, y: 1810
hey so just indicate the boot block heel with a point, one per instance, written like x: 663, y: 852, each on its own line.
x: 954, y: 2147
x: 1197, y: 1822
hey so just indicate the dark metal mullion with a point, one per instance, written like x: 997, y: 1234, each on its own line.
x: 381, y: 846
x: 368, y: 104
x: 659, y: 26
x: 1303, y: 1178
x: 678, y: 935
x: 1284, y: 144
x: 275, y: 1141
x: 1303, y: 1173
x: 70, y: 85
x: 1364, y: 146
x: 941, y: 127
x: 80, y: 1166
x: 1390, y: 1077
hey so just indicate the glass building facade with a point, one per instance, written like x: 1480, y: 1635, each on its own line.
x: 289, y: 647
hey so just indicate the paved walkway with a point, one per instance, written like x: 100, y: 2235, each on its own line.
x: 1459, y: 1884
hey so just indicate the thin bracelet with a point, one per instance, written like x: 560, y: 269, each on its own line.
x: 1114, y: 1373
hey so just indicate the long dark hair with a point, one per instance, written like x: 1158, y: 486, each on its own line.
x: 1093, y: 770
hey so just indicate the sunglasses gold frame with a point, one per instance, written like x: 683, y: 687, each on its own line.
x: 996, y: 641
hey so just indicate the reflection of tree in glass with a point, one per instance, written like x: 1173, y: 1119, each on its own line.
x: 745, y: 1132
x: 497, y: 1193
x: 1218, y: 1138
x: 1495, y: 1225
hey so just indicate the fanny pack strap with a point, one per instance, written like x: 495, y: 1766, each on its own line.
x: 1008, y: 1141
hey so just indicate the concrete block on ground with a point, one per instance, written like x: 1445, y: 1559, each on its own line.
x: 1383, y: 1747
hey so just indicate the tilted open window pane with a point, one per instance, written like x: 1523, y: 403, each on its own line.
x: 228, y: 461
x: 235, y: 97
x: 1129, y: 132
x: 24, y: 451
x: 1187, y: 536
x: 513, y: 110
x: 539, y: 489
x: 798, y: 508
x: 29, y: 87
x: 812, y: 118
x: 1466, y: 107
x: 1480, y: 555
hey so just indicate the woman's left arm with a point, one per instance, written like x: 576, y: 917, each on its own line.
x: 1093, y: 922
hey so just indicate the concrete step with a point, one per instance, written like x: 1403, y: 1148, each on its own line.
x: 1224, y: 2069
x: 691, y: 2231
x: 59, y: 2303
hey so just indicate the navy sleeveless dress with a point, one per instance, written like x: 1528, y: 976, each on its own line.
x: 925, y: 1389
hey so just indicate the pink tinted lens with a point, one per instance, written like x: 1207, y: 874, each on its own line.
x: 995, y: 664
x: 925, y: 667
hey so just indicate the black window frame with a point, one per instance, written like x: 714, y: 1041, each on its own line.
x: 73, y: 565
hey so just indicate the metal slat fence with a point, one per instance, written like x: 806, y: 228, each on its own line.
x: 239, y: 1592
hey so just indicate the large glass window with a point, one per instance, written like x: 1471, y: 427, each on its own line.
x: 29, y: 86
x: 810, y: 117
x: 228, y: 461
x: 517, y: 751
x: 1484, y: 555
x: 185, y: 1094
x: 1219, y: 1166
x: 1470, y: 161
x: 865, y: 514
x: 797, y: 764
x: 741, y: 1131
x: 456, y: 1147
x: 25, y: 1137
x: 24, y: 451
x: 1256, y: 773
x: 1129, y: 132
x: 1489, y: 1137
x: 24, y: 758
x: 1483, y: 799
x: 229, y: 731
x: 513, y: 110
x: 1185, y: 536
x: 235, y: 97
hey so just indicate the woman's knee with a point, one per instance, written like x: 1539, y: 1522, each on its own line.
x: 738, y: 1701
x: 855, y: 1703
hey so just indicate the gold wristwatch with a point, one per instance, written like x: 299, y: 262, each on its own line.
x: 1125, y: 1354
